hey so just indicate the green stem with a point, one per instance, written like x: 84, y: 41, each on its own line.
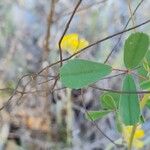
x: 132, y: 137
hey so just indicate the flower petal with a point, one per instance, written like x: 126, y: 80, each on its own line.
x: 70, y: 42
x: 82, y: 44
x: 139, y: 134
x: 138, y: 144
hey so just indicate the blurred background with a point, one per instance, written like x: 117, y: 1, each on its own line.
x: 34, y: 118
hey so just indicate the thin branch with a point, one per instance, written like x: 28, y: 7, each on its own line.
x: 24, y: 88
x: 108, y: 37
x: 14, y: 91
x: 116, y: 45
x: 140, y: 76
x: 46, y: 81
x: 119, y: 92
x: 116, y: 75
x: 94, y: 43
x: 49, y: 23
x: 96, y: 125
x: 66, y: 28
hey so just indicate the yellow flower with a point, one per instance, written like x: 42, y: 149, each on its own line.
x: 139, y: 133
x: 72, y: 43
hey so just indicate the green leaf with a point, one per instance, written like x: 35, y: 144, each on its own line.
x: 145, y: 85
x: 107, y: 102
x: 135, y: 49
x: 115, y: 96
x: 95, y: 115
x: 78, y: 73
x: 129, y: 107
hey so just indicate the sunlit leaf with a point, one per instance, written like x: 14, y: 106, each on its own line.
x: 135, y: 49
x: 78, y: 73
x: 129, y: 107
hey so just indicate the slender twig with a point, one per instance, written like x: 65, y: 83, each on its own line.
x: 49, y: 23
x: 116, y: 75
x: 22, y: 93
x: 46, y: 81
x: 14, y: 91
x: 94, y: 43
x: 47, y: 104
x: 96, y: 125
x: 119, y: 39
x: 140, y: 76
x: 52, y: 89
x: 108, y: 37
x: 119, y: 92
x: 66, y: 28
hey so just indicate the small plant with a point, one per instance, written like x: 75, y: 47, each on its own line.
x: 125, y: 104
x: 53, y: 118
